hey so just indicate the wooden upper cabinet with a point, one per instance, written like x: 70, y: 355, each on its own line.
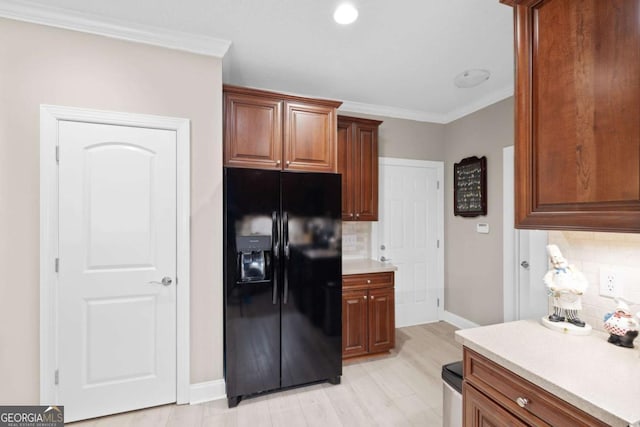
x: 578, y: 114
x: 268, y: 130
x: 346, y: 168
x: 358, y: 164
x: 310, y: 137
x: 253, y: 131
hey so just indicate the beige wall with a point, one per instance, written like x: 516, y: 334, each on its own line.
x: 473, y: 261
x: 408, y: 139
x: 44, y: 65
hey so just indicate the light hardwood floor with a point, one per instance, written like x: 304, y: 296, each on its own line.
x: 400, y: 389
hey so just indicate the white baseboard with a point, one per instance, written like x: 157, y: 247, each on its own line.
x: 458, y: 321
x: 207, y: 391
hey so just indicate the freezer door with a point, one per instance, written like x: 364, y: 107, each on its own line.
x: 312, y: 282
x: 251, y: 303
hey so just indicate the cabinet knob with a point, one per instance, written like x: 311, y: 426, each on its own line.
x: 365, y: 297
x: 357, y: 215
x: 351, y: 215
x: 372, y: 297
x: 522, y: 401
x: 278, y: 162
x: 368, y: 281
x: 288, y: 162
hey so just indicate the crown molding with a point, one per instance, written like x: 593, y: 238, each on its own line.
x: 384, y: 111
x: 122, y: 30
x: 483, y: 102
x: 423, y: 116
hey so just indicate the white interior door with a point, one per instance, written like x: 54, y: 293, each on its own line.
x: 117, y: 236
x: 532, y: 300
x: 524, y: 257
x: 408, y: 236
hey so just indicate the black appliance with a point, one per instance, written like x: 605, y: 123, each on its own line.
x: 282, y: 280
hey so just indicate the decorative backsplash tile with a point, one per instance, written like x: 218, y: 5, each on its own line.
x: 592, y: 252
x: 356, y: 240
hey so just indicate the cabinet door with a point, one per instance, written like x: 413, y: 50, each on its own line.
x: 480, y: 411
x: 577, y: 115
x: 354, y: 323
x: 382, y: 331
x: 366, y: 172
x: 310, y: 138
x: 253, y: 131
x: 345, y: 168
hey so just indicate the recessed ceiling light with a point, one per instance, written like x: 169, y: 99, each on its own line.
x: 345, y: 14
x: 471, y: 78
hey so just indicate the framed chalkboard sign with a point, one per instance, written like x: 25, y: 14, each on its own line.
x: 470, y: 187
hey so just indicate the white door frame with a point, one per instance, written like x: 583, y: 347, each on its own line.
x: 511, y: 243
x: 50, y: 115
x: 375, y: 247
x: 509, y: 238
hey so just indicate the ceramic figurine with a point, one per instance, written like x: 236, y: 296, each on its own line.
x: 621, y: 325
x: 565, y: 284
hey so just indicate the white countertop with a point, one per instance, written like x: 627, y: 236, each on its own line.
x: 363, y: 266
x: 600, y: 378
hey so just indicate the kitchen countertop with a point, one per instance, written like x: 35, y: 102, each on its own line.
x: 364, y: 266
x: 585, y: 371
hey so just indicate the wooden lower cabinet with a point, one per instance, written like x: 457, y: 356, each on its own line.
x: 494, y: 396
x: 368, y: 314
x: 481, y: 411
x: 354, y: 323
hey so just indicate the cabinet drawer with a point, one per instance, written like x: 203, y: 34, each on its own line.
x: 367, y: 280
x: 505, y: 388
x: 479, y: 410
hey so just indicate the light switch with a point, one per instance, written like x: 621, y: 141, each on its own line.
x: 482, y: 227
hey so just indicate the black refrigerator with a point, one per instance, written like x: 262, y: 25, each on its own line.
x: 282, y: 280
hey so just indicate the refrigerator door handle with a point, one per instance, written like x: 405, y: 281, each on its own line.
x: 285, y: 237
x: 275, y: 233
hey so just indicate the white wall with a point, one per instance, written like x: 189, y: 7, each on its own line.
x: 45, y: 65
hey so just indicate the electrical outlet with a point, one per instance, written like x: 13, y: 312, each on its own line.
x: 610, y: 285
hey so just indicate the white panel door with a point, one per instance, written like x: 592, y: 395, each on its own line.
x: 117, y: 214
x: 408, y: 237
x: 531, y: 293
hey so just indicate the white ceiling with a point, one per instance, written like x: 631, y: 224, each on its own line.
x: 398, y: 59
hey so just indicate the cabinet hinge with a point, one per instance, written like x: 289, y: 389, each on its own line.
x: 57, y: 265
x: 57, y: 154
x: 56, y: 379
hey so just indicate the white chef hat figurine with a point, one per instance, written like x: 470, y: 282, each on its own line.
x: 566, y: 285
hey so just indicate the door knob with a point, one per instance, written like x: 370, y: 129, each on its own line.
x: 384, y: 259
x: 524, y: 264
x: 166, y: 281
